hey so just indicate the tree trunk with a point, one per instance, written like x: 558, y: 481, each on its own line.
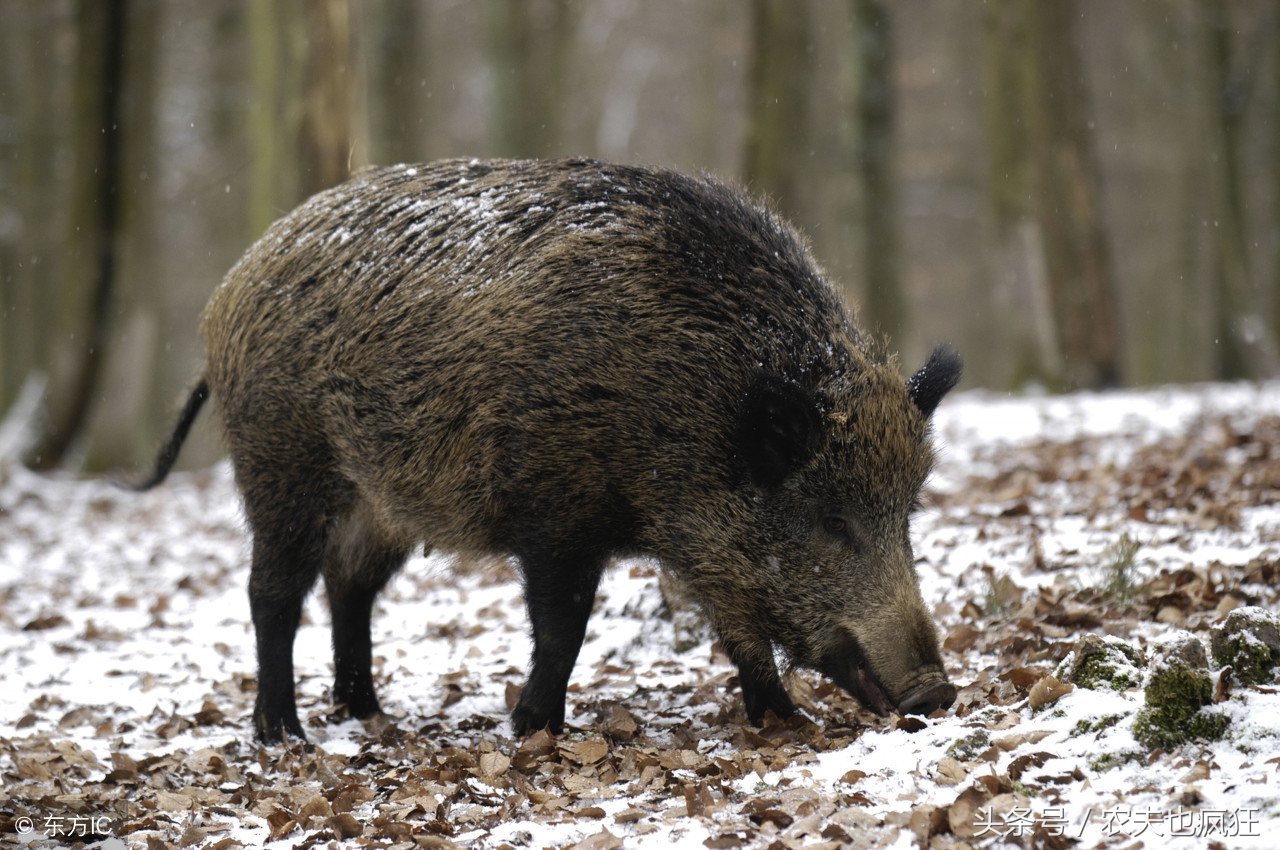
x: 1245, y: 341
x: 275, y: 116
x: 529, y: 45
x: 1078, y: 259
x: 328, y: 124
x: 1021, y: 317
x: 397, y: 74
x: 884, y: 307
x: 778, y: 97
x: 1045, y: 198
x: 87, y: 284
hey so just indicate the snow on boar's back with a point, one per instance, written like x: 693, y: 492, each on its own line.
x: 565, y: 362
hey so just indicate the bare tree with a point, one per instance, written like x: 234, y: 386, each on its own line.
x: 397, y: 79
x: 327, y: 142
x: 1044, y: 176
x: 778, y: 97
x: 88, y: 284
x: 275, y: 75
x: 884, y: 306
x: 1245, y: 339
x: 529, y: 44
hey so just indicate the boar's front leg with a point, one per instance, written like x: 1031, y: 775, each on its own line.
x: 559, y: 593
x: 762, y: 689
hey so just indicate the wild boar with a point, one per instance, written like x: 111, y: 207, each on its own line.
x: 568, y: 362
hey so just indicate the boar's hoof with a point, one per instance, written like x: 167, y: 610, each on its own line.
x: 928, y: 698
x: 527, y: 719
x: 277, y: 730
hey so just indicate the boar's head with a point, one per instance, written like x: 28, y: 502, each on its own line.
x: 836, y: 474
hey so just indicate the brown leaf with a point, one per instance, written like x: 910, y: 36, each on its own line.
x: 1199, y: 771
x: 777, y: 817
x: 494, y: 764
x: 209, y: 714
x: 1222, y: 686
x: 618, y: 722
x: 192, y: 835
x: 1023, y: 677
x: 1048, y: 690
x: 50, y: 621
x: 961, y: 638
x: 125, y: 767
x: 951, y: 772
x: 582, y: 786
x: 602, y: 840
x: 280, y: 823
x: 586, y: 752
x: 32, y: 769
x: 316, y: 807
x: 512, y: 695
x: 962, y: 815
x: 345, y: 826
x: 534, y: 749
x: 1023, y: 763
x: 927, y: 821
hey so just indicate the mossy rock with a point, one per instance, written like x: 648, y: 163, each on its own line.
x: 1248, y: 642
x: 1103, y: 663
x: 1106, y: 760
x: 1086, y: 726
x: 1179, y: 694
x: 970, y: 746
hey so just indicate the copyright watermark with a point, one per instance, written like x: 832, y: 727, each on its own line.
x: 1125, y: 821
x: 68, y: 826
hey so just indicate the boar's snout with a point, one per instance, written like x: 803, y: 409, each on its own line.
x: 928, y: 698
x: 847, y: 665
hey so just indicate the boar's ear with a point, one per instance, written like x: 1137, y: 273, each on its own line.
x: 936, y: 378
x: 778, y: 429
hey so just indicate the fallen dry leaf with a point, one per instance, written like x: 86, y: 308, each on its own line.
x: 1048, y: 690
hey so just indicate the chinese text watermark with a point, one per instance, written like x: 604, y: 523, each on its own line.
x: 1127, y: 821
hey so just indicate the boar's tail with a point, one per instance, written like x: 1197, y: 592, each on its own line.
x: 169, y: 451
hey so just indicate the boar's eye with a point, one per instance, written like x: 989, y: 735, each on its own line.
x: 839, y: 527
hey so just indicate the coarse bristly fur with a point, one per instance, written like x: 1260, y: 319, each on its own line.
x: 566, y: 362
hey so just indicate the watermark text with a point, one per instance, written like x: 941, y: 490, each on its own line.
x: 1120, y: 820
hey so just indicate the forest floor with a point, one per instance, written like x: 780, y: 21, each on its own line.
x: 127, y: 671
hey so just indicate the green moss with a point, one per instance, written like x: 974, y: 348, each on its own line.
x: 1102, y: 664
x: 1101, y: 672
x: 1087, y: 726
x: 1249, y: 643
x: 1106, y: 761
x: 1176, y: 696
x: 1251, y: 662
x: 970, y: 746
x: 1024, y: 790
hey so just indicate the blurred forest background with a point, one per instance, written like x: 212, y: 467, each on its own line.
x: 1076, y: 193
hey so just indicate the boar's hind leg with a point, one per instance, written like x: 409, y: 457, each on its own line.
x: 286, y: 560
x: 357, y: 564
x: 559, y: 594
